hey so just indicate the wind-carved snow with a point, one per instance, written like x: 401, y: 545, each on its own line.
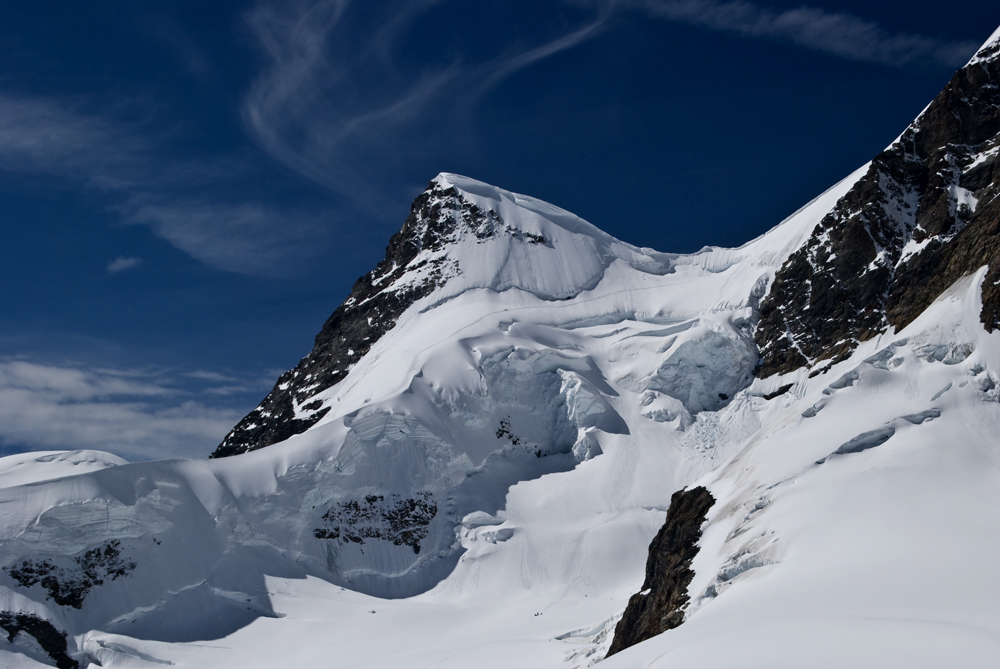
x: 989, y: 51
x: 540, y: 249
x: 508, y: 447
x: 33, y: 467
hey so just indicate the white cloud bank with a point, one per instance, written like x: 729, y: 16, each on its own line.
x: 135, y: 415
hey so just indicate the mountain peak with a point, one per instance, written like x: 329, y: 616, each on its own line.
x: 461, y: 235
x: 990, y: 49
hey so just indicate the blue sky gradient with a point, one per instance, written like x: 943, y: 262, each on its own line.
x: 187, y: 191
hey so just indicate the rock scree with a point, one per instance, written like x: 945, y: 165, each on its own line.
x: 659, y: 605
x: 403, y: 521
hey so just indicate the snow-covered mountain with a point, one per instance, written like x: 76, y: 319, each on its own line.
x: 469, y: 468
x: 461, y: 236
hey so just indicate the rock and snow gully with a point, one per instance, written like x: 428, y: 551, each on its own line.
x: 470, y: 466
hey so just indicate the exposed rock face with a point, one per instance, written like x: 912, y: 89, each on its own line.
x: 659, y: 605
x: 372, y: 309
x: 403, y: 521
x: 51, y: 640
x: 924, y: 215
x: 69, y: 586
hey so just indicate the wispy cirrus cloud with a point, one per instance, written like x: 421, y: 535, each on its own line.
x: 337, y: 103
x: 135, y: 414
x: 41, y: 136
x: 176, y: 198
x: 836, y: 33
x: 247, y: 237
x: 123, y: 263
x: 351, y: 96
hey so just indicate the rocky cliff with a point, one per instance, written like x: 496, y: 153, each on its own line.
x: 659, y: 605
x: 925, y: 214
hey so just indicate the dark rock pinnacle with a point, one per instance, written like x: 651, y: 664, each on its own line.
x: 659, y: 606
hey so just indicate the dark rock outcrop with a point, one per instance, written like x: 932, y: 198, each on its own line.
x: 659, y: 605
x: 403, y: 521
x: 70, y: 586
x: 51, y: 640
x: 925, y: 214
x: 376, y: 302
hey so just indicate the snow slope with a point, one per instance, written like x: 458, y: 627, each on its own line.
x: 865, y: 534
x: 877, y: 555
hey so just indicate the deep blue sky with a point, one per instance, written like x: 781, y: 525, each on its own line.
x: 188, y: 189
